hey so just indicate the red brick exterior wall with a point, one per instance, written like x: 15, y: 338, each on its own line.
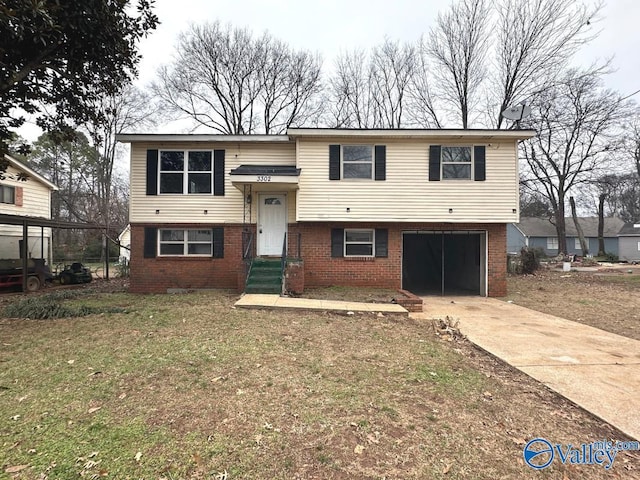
x: 156, y: 275
x: 320, y: 269
x: 323, y: 270
x: 497, y: 260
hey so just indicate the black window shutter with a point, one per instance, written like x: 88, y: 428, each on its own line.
x: 337, y: 242
x: 479, y: 163
x: 218, y: 172
x: 152, y: 172
x: 334, y: 162
x: 381, y: 162
x: 382, y: 242
x: 218, y: 242
x: 434, y: 162
x: 150, y: 242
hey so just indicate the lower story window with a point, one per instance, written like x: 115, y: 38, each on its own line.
x: 552, y: 243
x: 358, y: 243
x: 186, y: 242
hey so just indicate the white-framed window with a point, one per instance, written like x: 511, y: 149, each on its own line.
x: 357, y: 162
x: 552, y: 243
x: 195, y: 175
x: 7, y: 194
x: 456, y: 163
x: 577, y: 243
x: 639, y: 246
x: 185, y: 242
x: 359, y: 242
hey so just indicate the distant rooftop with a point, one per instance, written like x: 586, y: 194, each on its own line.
x: 542, y: 227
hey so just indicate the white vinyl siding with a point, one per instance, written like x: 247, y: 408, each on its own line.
x: 191, y: 208
x: 36, y: 202
x: 407, y: 195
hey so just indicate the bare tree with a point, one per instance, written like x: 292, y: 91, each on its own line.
x: 535, y: 39
x: 392, y: 68
x: 458, y: 47
x: 579, y: 231
x: 532, y: 204
x: 225, y: 79
x: 576, y: 123
x: 422, y: 109
x: 130, y: 110
x: 371, y: 89
x: 351, y: 92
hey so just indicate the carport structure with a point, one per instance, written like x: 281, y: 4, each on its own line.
x: 445, y: 262
x: 26, y: 222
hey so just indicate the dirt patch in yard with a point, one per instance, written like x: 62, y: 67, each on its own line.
x: 608, y: 299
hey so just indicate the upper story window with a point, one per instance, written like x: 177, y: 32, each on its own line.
x: 186, y: 171
x: 357, y: 161
x: 364, y: 162
x: 456, y: 163
x: 459, y: 162
x: 7, y: 194
x: 186, y: 242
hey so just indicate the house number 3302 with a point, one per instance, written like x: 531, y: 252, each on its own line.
x: 264, y: 178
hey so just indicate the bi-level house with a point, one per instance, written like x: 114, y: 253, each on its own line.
x: 423, y: 210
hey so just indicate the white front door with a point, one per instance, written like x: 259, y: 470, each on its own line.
x: 272, y: 223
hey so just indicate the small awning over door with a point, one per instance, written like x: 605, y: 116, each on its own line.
x: 265, y: 177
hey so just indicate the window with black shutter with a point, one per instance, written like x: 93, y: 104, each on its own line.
x: 457, y: 162
x: 185, y: 172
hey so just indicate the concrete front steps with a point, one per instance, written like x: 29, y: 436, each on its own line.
x: 265, y: 276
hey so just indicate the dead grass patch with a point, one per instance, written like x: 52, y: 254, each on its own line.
x: 609, y: 301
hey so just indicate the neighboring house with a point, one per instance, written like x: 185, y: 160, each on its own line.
x: 541, y: 233
x: 425, y: 210
x: 629, y: 242
x: 30, y: 198
x: 124, y: 239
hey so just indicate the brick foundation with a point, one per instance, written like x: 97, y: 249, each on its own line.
x: 156, y: 275
x: 320, y: 269
x: 409, y: 301
x: 294, y: 277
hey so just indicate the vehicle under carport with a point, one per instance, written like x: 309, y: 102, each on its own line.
x: 444, y: 263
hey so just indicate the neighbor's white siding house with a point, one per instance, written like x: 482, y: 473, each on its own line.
x: 30, y: 198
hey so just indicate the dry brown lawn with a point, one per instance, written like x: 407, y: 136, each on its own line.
x: 608, y: 299
x: 188, y: 387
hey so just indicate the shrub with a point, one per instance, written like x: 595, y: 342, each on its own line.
x: 44, y: 307
x: 611, y: 257
x: 530, y: 261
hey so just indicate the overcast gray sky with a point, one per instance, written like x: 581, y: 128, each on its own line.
x: 330, y: 26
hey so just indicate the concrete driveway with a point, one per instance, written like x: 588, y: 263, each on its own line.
x: 598, y: 370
